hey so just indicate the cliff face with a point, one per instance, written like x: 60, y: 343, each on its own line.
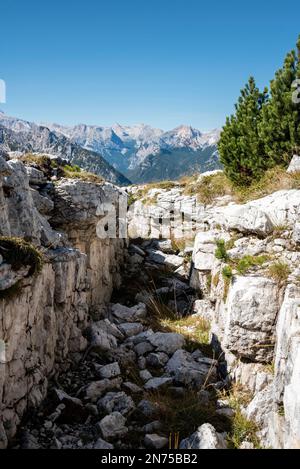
x: 239, y: 272
x: 255, y: 310
x: 250, y: 293
x: 42, y: 316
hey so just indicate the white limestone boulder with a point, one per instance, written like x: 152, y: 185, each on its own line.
x: 206, y: 437
x: 294, y: 166
x: 251, y: 310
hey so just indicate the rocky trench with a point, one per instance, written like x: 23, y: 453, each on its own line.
x: 138, y: 384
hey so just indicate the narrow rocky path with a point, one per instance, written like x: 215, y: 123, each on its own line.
x: 140, y: 383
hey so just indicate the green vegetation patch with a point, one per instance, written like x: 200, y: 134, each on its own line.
x: 248, y: 262
x: 19, y: 253
x: 221, y: 252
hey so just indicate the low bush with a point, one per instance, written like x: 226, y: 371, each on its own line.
x: 221, y: 252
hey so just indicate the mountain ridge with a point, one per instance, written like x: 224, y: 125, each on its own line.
x: 24, y: 136
x: 132, y: 148
x: 139, y: 152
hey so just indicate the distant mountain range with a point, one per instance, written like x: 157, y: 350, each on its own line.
x: 22, y: 136
x: 121, y: 154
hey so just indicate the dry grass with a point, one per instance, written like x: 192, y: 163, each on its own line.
x: 193, y: 328
x: 183, y: 415
x: 274, y: 179
x: 39, y: 160
x: 166, y: 185
x: 242, y: 428
x: 279, y: 271
x: 83, y: 176
x: 208, y: 188
x: 70, y: 171
x: 19, y: 253
x: 217, y: 185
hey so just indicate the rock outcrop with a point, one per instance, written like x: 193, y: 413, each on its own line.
x: 42, y: 323
x: 249, y: 293
x: 254, y: 296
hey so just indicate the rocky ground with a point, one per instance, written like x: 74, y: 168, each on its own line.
x: 137, y: 385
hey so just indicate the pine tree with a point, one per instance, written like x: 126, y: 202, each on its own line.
x: 280, y: 126
x: 240, y: 147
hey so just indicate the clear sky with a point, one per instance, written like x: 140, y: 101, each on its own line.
x: 161, y: 62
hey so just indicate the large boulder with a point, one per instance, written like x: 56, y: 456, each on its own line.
x: 248, y: 219
x: 251, y: 311
x: 261, y: 216
x: 205, y: 247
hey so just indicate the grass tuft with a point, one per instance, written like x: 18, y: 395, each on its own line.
x: 208, y: 188
x: 279, y: 271
x: 242, y: 429
x: 186, y: 413
x: 19, y: 253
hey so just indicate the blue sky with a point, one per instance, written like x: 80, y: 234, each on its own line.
x: 164, y: 62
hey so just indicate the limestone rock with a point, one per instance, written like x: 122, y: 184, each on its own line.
x: 248, y: 219
x: 147, y: 408
x: 205, y: 437
x: 294, y: 165
x: 35, y: 176
x: 203, y: 308
x: 113, y: 426
x: 157, y: 383
x: 167, y: 342
x: 101, y: 444
x: 109, y: 371
x: 191, y: 372
x: 116, y: 402
x: 145, y: 375
x: 73, y: 409
x: 296, y: 233
x: 157, y: 360
x: 100, y: 340
x: 251, y: 311
x: 155, y: 441
x: 133, y: 314
x: 130, y: 329
x: 97, y: 388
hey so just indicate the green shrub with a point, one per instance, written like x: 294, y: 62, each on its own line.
x: 74, y: 168
x: 221, y: 252
x: 247, y: 262
x: 227, y: 272
x: 227, y: 276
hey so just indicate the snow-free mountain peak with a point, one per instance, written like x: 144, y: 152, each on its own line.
x: 141, y: 152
